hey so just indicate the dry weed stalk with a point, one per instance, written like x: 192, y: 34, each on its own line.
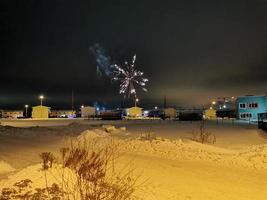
x: 95, y: 174
x: 202, y: 135
x: 91, y: 176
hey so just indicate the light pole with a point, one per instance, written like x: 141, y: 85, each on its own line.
x: 26, y: 110
x: 213, y: 103
x: 41, y: 97
x: 82, y: 111
x: 136, y: 101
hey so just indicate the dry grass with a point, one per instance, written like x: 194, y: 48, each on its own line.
x: 48, y: 159
x: 202, y: 135
x: 96, y: 176
x: 93, y: 176
x: 23, y: 190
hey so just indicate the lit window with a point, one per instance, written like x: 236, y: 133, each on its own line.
x: 242, y: 105
x: 245, y: 115
x: 253, y: 105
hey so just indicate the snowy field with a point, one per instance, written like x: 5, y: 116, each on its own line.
x: 175, y: 167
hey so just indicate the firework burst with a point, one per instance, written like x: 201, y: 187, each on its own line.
x: 129, y: 78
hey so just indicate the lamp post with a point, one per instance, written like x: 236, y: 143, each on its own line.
x: 26, y: 110
x: 82, y: 111
x: 41, y: 97
x: 136, y: 101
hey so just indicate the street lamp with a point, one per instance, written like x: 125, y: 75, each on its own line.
x: 41, y: 97
x: 136, y: 101
x: 26, y: 110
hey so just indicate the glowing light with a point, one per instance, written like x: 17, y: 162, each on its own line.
x: 156, y: 107
x: 224, y: 106
x: 213, y: 102
x: 82, y: 106
x: 26, y: 106
x: 129, y: 78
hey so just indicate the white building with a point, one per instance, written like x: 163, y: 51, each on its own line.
x: 88, y: 111
x: 12, y: 114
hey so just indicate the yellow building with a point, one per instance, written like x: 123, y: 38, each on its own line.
x: 40, y: 112
x: 134, y: 112
x: 210, y: 113
x: 88, y: 111
x: 170, y: 113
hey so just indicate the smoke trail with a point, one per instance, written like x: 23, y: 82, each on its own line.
x: 103, y: 61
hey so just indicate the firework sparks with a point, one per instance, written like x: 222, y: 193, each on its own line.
x: 129, y: 78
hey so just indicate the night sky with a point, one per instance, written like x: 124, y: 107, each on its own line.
x: 192, y: 51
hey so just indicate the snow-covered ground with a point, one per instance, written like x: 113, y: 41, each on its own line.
x: 234, y: 168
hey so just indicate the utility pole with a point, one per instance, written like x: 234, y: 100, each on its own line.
x: 26, y: 110
x: 165, y: 102
x: 72, y: 100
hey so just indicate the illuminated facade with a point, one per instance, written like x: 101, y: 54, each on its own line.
x: 134, y: 112
x: 12, y: 114
x: 248, y: 107
x: 62, y: 114
x: 170, y: 113
x: 210, y: 113
x: 88, y: 111
x: 40, y: 112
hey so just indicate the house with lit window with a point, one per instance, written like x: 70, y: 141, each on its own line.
x: 62, y: 114
x: 11, y: 114
x: 134, y: 112
x: 248, y: 107
x: 88, y: 111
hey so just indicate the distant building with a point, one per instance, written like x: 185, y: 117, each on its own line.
x: 62, y: 114
x: 210, y: 113
x: 134, y: 112
x: 88, y: 111
x: 12, y: 114
x: 248, y: 107
x: 158, y: 113
x: 187, y: 114
x: 170, y: 113
x: 111, y: 114
x: 225, y: 103
x: 40, y: 112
